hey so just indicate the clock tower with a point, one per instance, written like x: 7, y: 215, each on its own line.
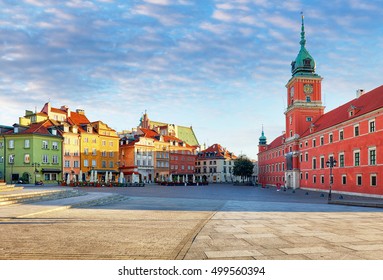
x: 304, y: 106
x: 304, y: 97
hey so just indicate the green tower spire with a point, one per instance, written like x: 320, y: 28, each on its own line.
x: 262, y: 139
x: 303, y: 39
x: 304, y: 64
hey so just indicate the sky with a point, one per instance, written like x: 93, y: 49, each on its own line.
x: 220, y: 66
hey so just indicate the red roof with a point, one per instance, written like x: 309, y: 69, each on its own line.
x: 219, y: 151
x: 78, y: 118
x: 364, y: 104
x: 276, y: 142
x: 38, y: 128
x: 149, y: 132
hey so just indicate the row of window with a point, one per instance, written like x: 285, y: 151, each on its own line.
x: 276, y: 167
x: 68, y: 153
x: 67, y: 164
x: 182, y: 158
x: 175, y: 167
x: 213, y: 162
x: 103, y: 153
x: 212, y: 170
x: 330, y: 139
x: 371, y: 158
x: 27, y: 159
x: 358, y: 179
x: 27, y: 143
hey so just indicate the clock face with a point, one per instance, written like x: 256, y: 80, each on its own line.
x: 308, y: 88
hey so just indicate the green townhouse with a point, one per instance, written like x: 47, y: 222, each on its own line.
x: 31, y: 154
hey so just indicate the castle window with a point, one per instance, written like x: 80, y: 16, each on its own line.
x: 341, y: 135
x: 356, y: 158
x: 330, y: 137
x: 308, y: 98
x: 321, y: 141
x: 372, y: 156
x: 314, y: 143
x: 314, y: 179
x: 359, y: 179
x: 373, y: 180
x: 344, y: 179
x: 372, y: 126
x: 341, y: 160
x: 322, y: 162
x: 306, y: 62
x: 309, y: 119
x: 356, y: 130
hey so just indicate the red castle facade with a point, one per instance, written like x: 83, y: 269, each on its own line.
x: 350, y: 135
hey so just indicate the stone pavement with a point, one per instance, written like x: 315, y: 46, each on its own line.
x: 190, y: 223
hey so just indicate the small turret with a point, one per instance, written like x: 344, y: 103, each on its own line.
x: 262, y: 139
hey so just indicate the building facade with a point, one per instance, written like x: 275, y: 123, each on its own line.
x: 303, y: 157
x: 215, y: 165
x: 31, y: 154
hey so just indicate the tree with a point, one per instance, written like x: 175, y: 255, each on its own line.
x: 243, y: 167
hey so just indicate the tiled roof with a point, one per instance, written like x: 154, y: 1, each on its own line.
x: 79, y: 118
x: 364, y: 104
x: 218, y: 151
x: 276, y: 142
x: 187, y: 134
x: 56, y: 110
x: 39, y: 128
x: 149, y: 132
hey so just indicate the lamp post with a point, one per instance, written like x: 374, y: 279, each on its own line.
x: 11, y: 162
x: 330, y: 163
x: 35, y: 165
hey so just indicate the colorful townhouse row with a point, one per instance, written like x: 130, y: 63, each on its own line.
x: 57, y: 145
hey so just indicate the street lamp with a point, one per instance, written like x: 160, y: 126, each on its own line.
x: 330, y: 163
x: 35, y: 165
x: 11, y: 162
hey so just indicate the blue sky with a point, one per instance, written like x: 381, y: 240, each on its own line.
x: 218, y: 65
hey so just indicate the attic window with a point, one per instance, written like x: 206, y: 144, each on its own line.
x: 307, y: 62
x: 351, y: 113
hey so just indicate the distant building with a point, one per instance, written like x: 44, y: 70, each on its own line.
x: 184, y: 133
x: 215, y: 165
x: 155, y: 157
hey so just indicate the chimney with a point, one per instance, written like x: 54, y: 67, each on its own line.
x: 80, y: 111
x: 359, y: 92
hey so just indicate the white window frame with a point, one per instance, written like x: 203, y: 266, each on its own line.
x: 55, y: 159
x: 45, y: 159
x: 45, y: 144
x: 361, y: 181
x: 339, y: 161
x: 376, y: 179
x: 369, y: 155
x: 354, y: 159
x: 369, y: 126
x: 356, y: 126
x: 27, y: 144
x: 11, y: 144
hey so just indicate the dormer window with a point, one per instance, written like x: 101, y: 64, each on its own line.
x: 307, y: 62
